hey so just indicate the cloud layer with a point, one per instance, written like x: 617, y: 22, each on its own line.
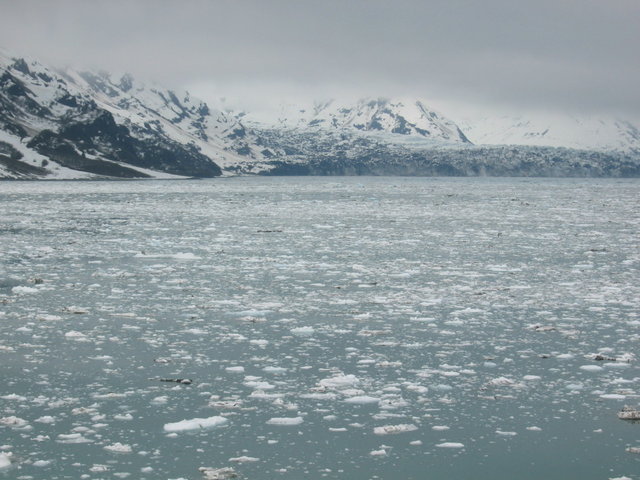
x: 577, y: 55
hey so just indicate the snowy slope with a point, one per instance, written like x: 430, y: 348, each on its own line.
x: 601, y: 133
x: 81, y: 121
x: 392, y: 120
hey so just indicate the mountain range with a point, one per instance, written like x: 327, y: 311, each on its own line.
x: 64, y: 123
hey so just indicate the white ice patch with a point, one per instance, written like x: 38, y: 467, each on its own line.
x: 72, y: 438
x: 394, y: 429
x: 303, y: 331
x: 234, y: 369
x: 77, y: 336
x: 244, y: 459
x: 22, y: 290
x: 274, y: 370
x: 340, y: 381
x: 362, y: 400
x: 285, y: 421
x: 195, y: 424
x: 118, y: 448
x: 450, y: 445
x: 591, y: 368
x: 5, y: 460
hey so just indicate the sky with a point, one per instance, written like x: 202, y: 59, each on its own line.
x: 489, y: 56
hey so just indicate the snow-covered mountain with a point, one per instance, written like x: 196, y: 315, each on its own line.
x: 68, y: 124
x: 394, y: 119
x: 603, y: 133
x: 73, y: 124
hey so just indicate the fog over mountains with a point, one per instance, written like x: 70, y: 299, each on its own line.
x: 62, y: 123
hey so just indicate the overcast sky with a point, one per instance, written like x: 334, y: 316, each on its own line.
x: 567, y: 55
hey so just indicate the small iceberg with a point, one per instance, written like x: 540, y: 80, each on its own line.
x: 629, y: 413
x: 194, y: 424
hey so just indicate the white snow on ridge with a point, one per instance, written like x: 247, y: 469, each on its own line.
x: 602, y: 132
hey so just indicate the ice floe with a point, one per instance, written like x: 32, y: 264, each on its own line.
x: 195, y: 424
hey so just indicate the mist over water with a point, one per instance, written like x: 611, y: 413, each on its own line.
x: 329, y: 328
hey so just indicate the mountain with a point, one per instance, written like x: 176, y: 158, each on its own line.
x: 602, y: 133
x: 71, y: 124
x: 64, y: 123
x: 375, y: 116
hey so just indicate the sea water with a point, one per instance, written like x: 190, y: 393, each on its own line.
x: 352, y: 328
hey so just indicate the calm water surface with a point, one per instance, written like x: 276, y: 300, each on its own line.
x: 351, y: 328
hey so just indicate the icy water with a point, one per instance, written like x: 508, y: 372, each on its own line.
x: 348, y: 328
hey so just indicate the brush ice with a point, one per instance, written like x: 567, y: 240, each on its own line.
x: 450, y: 445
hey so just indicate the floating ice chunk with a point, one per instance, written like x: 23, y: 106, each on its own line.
x: 274, y: 370
x: 531, y: 378
x: 72, y: 438
x: 195, y: 424
x: 502, y: 382
x: 617, y: 365
x: 77, y: 336
x: 337, y: 429
x: 565, y: 356
x: 285, y: 421
x: 259, y: 342
x: 235, y: 369
x: 262, y: 395
x: 21, y: 290
x: 5, y: 459
x: 362, y: 400
x: 259, y: 385
x: 450, y: 445
x: 416, y: 443
x: 118, y: 448
x: 534, y: 429
x: 195, y: 331
x: 319, y: 396
x: 48, y: 318
x: 378, y: 453
x: 98, y: 468
x: 47, y: 419
x: 506, y: 434
x: 42, y: 463
x: 14, y: 422
x: 591, y: 368
x: 218, y: 473
x: 340, y: 381
x: 439, y: 428
x: 161, y: 400
x: 613, y: 396
x: 303, y: 331
x: 14, y: 396
x: 185, y: 256
x: 244, y: 459
x: 394, y: 429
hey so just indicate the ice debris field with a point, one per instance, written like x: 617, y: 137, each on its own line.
x: 352, y: 328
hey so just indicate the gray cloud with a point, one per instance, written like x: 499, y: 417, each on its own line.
x: 548, y: 54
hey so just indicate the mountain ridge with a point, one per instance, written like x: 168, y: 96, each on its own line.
x: 78, y: 124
